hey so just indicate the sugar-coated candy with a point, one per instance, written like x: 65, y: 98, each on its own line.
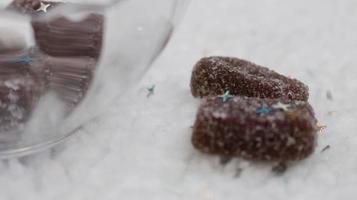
x: 237, y: 128
x: 62, y: 36
x: 20, y: 89
x: 25, y: 6
x: 69, y: 77
x: 214, y: 76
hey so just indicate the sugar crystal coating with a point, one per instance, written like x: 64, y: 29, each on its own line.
x: 18, y: 97
x: 235, y: 128
x: 214, y: 76
x: 20, y: 89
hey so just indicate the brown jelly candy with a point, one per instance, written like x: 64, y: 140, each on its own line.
x: 27, y: 75
x: 213, y: 76
x: 61, y: 36
x: 69, y: 77
x: 19, y: 95
x: 255, y: 128
x: 25, y: 6
x: 20, y: 89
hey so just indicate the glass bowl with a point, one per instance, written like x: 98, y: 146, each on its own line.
x: 63, y: 63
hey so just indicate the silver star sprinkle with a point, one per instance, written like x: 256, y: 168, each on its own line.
x: 282, y: 106
x: 43, y: 7
x: 150, y: 90
x: 226, y: 96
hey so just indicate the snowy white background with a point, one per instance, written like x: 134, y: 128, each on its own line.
x: 141, y: 149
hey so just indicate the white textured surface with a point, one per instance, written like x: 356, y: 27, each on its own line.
x: 142, y: 150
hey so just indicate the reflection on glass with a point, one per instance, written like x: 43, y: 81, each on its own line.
x: 61, y: 63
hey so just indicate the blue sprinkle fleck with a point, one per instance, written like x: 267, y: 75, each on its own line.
x: 151, y: 90
x: 226, y: 96
x: 24, y: 60
x: 262, y: 111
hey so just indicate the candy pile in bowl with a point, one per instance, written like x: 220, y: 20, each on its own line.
x: 62, y: 60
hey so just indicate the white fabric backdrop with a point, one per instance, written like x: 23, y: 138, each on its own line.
x: 142, y: 150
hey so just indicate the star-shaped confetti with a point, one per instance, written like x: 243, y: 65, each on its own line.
x: 226, y: 96
x: 151, y: 90
x: 43, y: 7
x: 262, y: 111
x: 282, y: 106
